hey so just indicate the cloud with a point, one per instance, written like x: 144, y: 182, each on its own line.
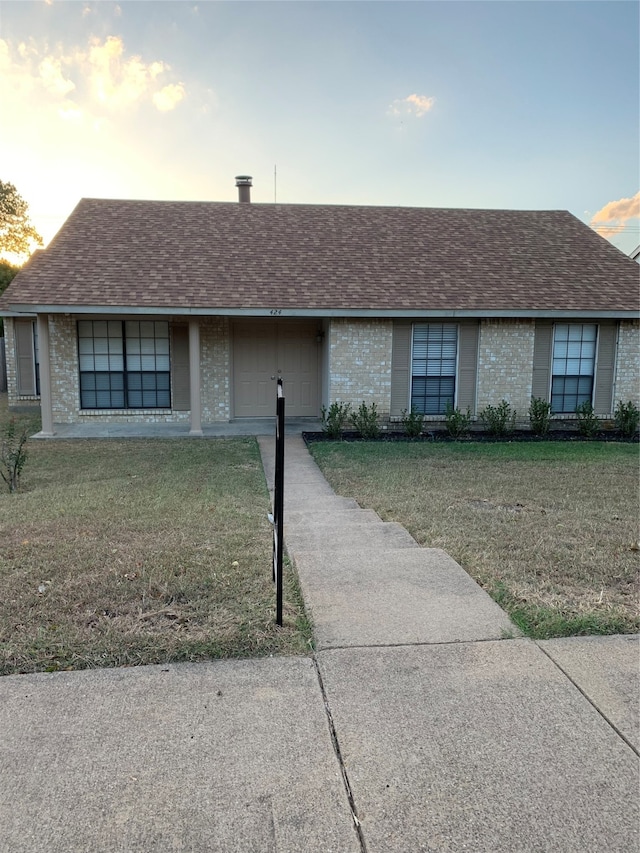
x: 117, y: 81
x: 416, y: 105
x: 615, y: 215
x: 169, y: 97
x: 50, y: 70
x: 102, y: 76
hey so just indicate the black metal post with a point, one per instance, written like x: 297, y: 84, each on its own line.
x: 278, y: 502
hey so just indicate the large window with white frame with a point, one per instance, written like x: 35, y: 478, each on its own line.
x: 574, y: 359
x: 124, y: 364
x: 433, y: 367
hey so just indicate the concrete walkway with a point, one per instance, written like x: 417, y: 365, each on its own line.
x: 416, y: 726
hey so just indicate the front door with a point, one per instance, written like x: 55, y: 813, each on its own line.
x: 266, y: 350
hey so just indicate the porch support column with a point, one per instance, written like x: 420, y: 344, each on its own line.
x: 46, y: 410
x: 194, y: 377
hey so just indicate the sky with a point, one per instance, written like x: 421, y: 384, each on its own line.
x: 464, y: 103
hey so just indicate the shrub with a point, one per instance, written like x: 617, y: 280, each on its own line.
x: 13, y: 454
x: 539, y: 416
x: 627, y: 418
x: 456, y: 422
x: 588, y: 423
x: 365, y: 420
x: 412, y: 423
x: 499, y: 420
x: 335, y: 418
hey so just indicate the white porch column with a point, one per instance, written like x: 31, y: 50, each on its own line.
x: 194, y: 377
x: 45, y: 375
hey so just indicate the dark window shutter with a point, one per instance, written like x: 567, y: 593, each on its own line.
x: 605, y: 369
x: 180, y: 376
x: 543, y: 343
x: 25, y: 358
x: 400, y: 367
x: 467, y: 366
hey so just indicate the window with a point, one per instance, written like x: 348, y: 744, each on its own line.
x: 27, y: 358
x: 433, y: 367
x: 124, y: 364
x: 574, y: 355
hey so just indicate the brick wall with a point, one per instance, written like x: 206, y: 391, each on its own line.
x: 215, y: 369
x: 215, y: 373
x: 505, y: 359
x: 360, y: 362
x: 627, y: 381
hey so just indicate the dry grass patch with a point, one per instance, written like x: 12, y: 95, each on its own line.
x: 549, y: 529
x: 132, y: 552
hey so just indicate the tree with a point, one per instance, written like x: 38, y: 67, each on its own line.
x: 7, y: 273
x: 17, y: 233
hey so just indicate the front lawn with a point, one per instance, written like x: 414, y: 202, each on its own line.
x: 550, y: 529
x: 117, y: 553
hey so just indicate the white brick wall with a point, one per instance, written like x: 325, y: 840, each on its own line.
x: 65, y: 391
x: 505, y: 360
x: 627, y: 382
x: 215, y: 369
x: 360, y: 362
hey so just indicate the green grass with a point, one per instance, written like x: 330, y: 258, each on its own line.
x: 126, y: 552
x: 549, y: 529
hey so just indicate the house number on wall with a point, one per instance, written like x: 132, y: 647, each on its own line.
x: 275, y: 312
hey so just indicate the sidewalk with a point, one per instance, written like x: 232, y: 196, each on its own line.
x: 416, y: 726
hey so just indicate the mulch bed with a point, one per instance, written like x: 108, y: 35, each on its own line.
x: 476, y: 435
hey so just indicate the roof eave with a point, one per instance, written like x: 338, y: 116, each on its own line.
x: 20, y: 309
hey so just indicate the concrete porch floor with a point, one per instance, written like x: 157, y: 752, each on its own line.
x: 241, y: 426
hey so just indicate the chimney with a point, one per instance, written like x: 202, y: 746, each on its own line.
x: 243, y: 182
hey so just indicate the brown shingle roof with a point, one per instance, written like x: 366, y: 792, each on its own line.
x: 207, y: 255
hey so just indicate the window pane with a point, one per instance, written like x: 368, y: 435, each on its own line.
x: 433, y: 367
x: 575, y: 332
x: 133, y: 362
x: 102, y: 362
x: 574, y: 347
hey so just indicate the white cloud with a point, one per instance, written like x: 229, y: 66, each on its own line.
x: 416, y: 105
x: 50, y: 70
x: 615, y: 215
x: 103, y: 76
x: 169, y: 97
x: 117, y: 81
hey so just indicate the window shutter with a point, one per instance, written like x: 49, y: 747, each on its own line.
x: 605, y: 367
x: 24, y: 357
x: 541, y: 379
x: 467, y: 366
x: 180, y: 377
x: 400, y: 366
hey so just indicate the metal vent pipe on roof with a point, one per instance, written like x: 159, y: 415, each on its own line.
x: 243, y: 182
